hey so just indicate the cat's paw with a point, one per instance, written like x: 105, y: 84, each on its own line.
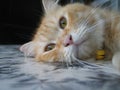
x: 116, y: 60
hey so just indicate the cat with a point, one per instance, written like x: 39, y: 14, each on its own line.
x: 75, y: 31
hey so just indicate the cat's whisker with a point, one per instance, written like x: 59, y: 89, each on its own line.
x: 70, y: 62
x: 92, y: 27
x: 78, y: 61
x: 81, y: 29
x: 95, y: 9
x: 109, y: 6
x: 91, y: 13
x: 66, y: 58
x: 81, y: 62
x: 83, y: 33
x: 67, y: 64
x: 100, y: 4
x: 65, y: 53
x: 82, y: 26
x: 78, y: 30
x: 88, y: 17
x: 70, y: 59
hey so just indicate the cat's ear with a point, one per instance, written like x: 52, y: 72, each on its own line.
x: 28, y: 49
x: 49, y: 4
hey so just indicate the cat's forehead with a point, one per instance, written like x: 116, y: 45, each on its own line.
x: 46, y: 33
x: 50, y: 22
x: 67, y: 11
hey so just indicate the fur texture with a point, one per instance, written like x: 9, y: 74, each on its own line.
x: 90, y: 29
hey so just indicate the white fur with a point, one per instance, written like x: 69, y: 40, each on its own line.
x: 116, y: 60
x: 28, y: 49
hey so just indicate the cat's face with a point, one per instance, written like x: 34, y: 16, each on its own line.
x: 66, y: 32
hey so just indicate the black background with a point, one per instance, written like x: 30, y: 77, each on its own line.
x: 19, y: 19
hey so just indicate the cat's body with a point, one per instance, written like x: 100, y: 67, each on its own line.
x: 75, y: 30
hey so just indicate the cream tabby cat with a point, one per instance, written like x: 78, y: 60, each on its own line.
x: 75, y: 31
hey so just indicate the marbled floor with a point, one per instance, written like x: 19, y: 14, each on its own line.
x: 20, y: 73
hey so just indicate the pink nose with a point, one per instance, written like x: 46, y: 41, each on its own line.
x: 68, y: 40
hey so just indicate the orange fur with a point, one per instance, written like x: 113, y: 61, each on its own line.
x: 105, y: 35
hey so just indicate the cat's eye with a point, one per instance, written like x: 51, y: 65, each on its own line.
x: 49, y: 47
x: 62, y: 22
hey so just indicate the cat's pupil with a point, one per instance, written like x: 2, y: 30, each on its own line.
x: 49, y: 47
x: 62, y: 22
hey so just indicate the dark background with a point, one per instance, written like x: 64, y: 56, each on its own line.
x: 19, y: 19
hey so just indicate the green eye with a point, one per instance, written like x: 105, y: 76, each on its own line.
x: 62, y: 22
x: 49, y: 47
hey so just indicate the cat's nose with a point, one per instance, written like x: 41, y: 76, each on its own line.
x: 68, y: 40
